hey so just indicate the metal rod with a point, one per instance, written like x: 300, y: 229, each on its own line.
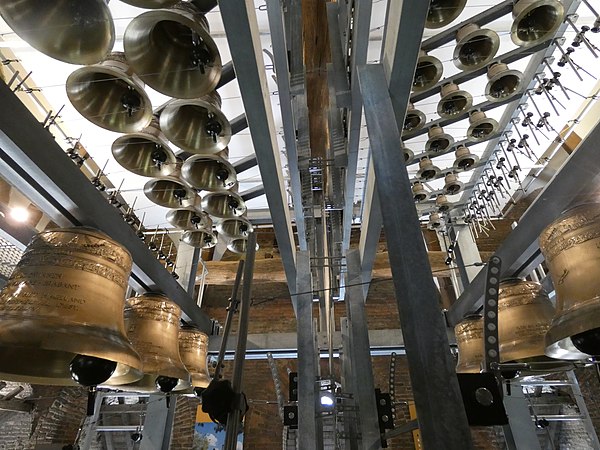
x: 193, y: 269
x: 234, y: 417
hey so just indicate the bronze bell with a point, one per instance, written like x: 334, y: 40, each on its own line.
x: 171, y: 192
x: 189, y: 219
x: 443, y: 12
x: 239, y: 246
x: 199, y: 238
x: 571, y: 246
x: 172, y: 51
x: 453, y: 101
x: 208, y: 173
x: 236, y: 228
x: 535, y: 21
x: 109, y: 95
x: 465, y: 160
x: 442, y: 203
x: 435, y: 222
x: 197, y: 125
x: 475, y: 47
x: 524, y: 316
x: 414, y: 120
x: 469, y: 339
x: 428, y: 72
x: 145, y: 153
x: 193, y: 348
x: 438, y: 141
x: 503, y: 82
x: 481, y: 127
x: 151, y: 4
x: 224, y: 205
x: 419, y: 192
x: 65, y: 298
x: 76, y: 32
x: 427, y: 171
x: 152, y: 322
x: 452, y: 185
x: 408, y: 154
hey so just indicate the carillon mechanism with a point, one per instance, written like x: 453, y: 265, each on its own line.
x: 428, y: 72
x: 193, y: 348
x: 427, y: 171
x: 238, y: 228
x: 152, y: 322
x: 443, y: 12
x: 239, y: 246
x: 82, y: 32
x: 172, y: 51
x: 197, y: 125
x: 224, y: 205
x: 535, y: 21
x: 503, y: 82
x: 146, y: 153
x: 438, y: 141
x: 419, y: 192
x: 208, y: 173
x: 453, y: 101
x: 189, y: 219
x: 452, y: 185
x: 199, y: 238
x: 570, y: 246
x: 414, y: 120
x: 110, y: 95
x: 481, y: 127
x: 61, y: 312
x: 408, y: 154
x: 465, y: 160
x: 475, y: 47
x: 171, y: 192
x: 469, y: 339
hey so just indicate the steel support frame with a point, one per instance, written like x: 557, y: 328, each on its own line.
x: 32, y: 161
x: 241, y: 26
x: 431, y: 366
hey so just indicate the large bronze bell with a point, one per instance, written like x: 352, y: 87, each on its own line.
x: 503, y: 82
x: 171, y: 192
x: 465, y: 160
x: 152, y: 322
x: 239, y: 246
x: 469, y: 339
x: 535, y: 21
x: 65, y: 298
x: 172, y: 51
x: 76, y: 32
x: 200, y: 238
x: 571, y: 246
x: 193, y: 348
x: 109, y: 95
x: 145, y: 153
x: 208, y: 173
x: 189, y: 219
x: 443, y: 12
x: 438, y: 141
x: 481, y: 127
x: 224, y: 205
x: 151, y: 4
x: 235, y: 228
x: 524, y: 315
x: 428, y: 72
x: 475, y: 47
x: 453, y: 102
x: 197, y: 125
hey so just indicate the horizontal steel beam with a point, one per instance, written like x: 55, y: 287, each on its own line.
x: 253, y: 193
x: 32, y: 161
x: 578, y: 180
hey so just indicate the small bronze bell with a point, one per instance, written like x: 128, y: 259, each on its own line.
x: 481, y: 127
x: 193, y: 348
x: 428, y: 72
x: 438, y: 141
x: 189, y: 219
x: 475, y: 47
x: 208, y: 173
x: 443, y: 12
x: 414, y: 120
x: 224, y: 205
x: 239, y: 246
x: 503, y: 82
x: 200, y: 238
x: 442, y: 203
x: 465, y: 160
x: 419, y: 193
x: 427, y: 171
x: 453, y: 101
x: 408, y: 155
x: 535, y: 21
x: 452, y: 185
x: 238, y: 228
x: 171, y: 192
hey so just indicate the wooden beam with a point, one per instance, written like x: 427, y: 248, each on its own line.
x: 16, y: 405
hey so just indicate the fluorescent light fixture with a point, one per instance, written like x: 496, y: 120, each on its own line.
x: 327, y: 399
x: 19, y: 214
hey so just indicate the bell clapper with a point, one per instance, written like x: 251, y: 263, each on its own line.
x: 213, y: 127
x: 131, y: 101
x: 166, y: 385
x: 201, y: 56
x: 159, y: 157
x: 90, y: 371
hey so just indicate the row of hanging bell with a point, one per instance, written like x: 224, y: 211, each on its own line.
x: 465, y: 160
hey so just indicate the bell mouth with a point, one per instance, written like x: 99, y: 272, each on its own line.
x: 147, y: 384
x: 504, y: 85
x: 476, y: 49
x: 427, y: 73
x: 536, y: 23
x: 443, y: 12
x: 144, y: 155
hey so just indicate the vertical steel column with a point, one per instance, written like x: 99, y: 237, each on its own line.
x: 234, y: 418
x: 466, y: 252
x: 361, y: 354
x: 158, y: 424
x: 520, y: 432
x: 587, y: 422
x: 440, y: 409
x: 193, y: 271
x: 348, y: 386
x: 307, y: 366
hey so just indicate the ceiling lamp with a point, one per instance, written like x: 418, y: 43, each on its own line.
x: 481, y: 127
x: 414, y: 120
x: 109, y: 95
x: 453, y: 102
x: 208, y: 173
x: 62, y: 307
x: 438, y: 141
x: 428, y: 72
x: 75, y: 32
x: 503, y: 82
x: 443, y: 12
x: 172, y: 51
x: 224, y: 205
x: 145, y: 153
x: 427, y: 171
x: 189, y: 219
x: 238, y: 228
x: 465, y: 160
x: 198, y: 125
x: 475, y: 47
x: 200, y: 238
x: 535, y: 21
